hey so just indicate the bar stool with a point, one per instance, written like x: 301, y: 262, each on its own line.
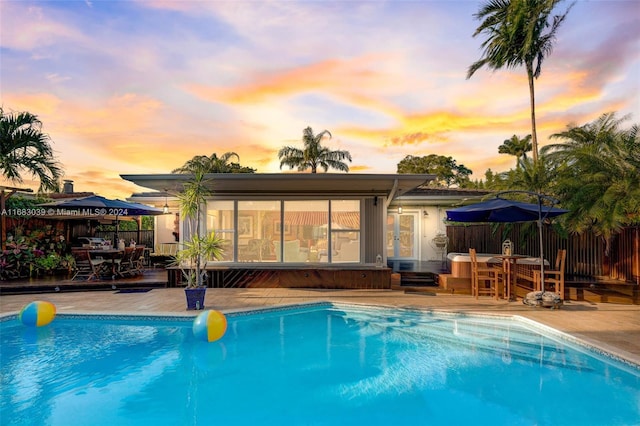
x: 478, y: 274
x: 553, y: 277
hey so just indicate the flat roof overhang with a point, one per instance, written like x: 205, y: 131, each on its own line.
x: 289, y: 183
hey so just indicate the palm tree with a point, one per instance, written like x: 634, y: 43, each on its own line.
x: 517, y: 147
x: 213, y: 164
x: 313, y: 155
x: 519, y: 32
x: 536, y: 176
x: 598, y: 175
x: 589, y: 139
x: 24, y: 148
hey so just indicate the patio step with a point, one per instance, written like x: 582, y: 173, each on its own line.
x: 619, y: 294
x: 418, y: 279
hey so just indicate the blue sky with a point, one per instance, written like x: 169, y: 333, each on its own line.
x: 142, y: 86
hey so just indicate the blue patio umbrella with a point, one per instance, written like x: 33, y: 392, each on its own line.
x: 96, y: 205
x: 503, y: 210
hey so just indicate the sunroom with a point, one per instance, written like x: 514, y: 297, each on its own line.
x: 288, y: 219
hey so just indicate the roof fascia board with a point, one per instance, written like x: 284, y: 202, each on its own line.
x: 289, y: 184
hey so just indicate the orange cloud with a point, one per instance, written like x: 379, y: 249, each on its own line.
x: 332, y: 76
x: 410, y: 139
x: 40, y: 104
x: 360, y: 168
x: 127, y: 132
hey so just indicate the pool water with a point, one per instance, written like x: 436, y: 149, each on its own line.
x: 317, y: 365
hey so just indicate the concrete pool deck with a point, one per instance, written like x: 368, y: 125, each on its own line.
x: 611, y: 327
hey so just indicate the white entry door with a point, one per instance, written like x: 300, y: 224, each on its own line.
x: 402, y: 235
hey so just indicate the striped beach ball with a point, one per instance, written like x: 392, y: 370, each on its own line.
x: 37, y: 314
x: 209, y: 326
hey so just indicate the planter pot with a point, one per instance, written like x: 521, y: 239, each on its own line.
x: 195, y: 298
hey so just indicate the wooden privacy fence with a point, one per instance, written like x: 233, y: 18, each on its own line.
x: 585, y: 252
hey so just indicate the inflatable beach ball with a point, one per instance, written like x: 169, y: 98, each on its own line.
x: 209, y: 326
x: 37, y: 313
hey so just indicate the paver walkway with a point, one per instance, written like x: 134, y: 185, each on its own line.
x: 615, y: 328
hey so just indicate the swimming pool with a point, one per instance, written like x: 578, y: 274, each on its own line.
x: 325, y: 364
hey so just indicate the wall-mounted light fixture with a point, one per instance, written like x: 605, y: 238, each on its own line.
x: 425, y: 213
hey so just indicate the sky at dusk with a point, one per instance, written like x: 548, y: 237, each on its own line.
x: 143, y: 86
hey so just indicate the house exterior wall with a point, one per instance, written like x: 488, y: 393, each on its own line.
x: 164, y: 228
x: 429, y: 223
x: 374, y: 229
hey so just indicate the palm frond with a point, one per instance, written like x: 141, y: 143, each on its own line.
x: 25, y: 149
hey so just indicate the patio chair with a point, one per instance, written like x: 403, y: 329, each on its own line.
x: 292, y: 251
x: 99, y: 264
x: 485, y: 275
x: 85, y: 269
x: 252, y: 252
x: 348, y: 252
x: 106, y: 264
x: 124, y: 265
x: 553, y: 277
x: 137, y: 260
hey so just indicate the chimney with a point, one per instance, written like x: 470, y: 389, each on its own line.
x: 67, y: 187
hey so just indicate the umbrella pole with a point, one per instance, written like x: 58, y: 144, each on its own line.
x: 541, y: 255
x: 541, y: 243
x: 139, y: 223
x: 117, y: 239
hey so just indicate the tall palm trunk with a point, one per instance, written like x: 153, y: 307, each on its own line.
x: 519, y: 32
x: 532, y: 97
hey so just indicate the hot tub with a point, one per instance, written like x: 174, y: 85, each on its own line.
x: 460, y: 263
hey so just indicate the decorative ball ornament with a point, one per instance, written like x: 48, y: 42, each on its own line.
x: 209, y: 326
x: 37, y: 314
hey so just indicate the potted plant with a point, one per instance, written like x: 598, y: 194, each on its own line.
x: 48, y: 263
x: 191, y: 260
x: 68, y: 262
x: 194, y: 253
